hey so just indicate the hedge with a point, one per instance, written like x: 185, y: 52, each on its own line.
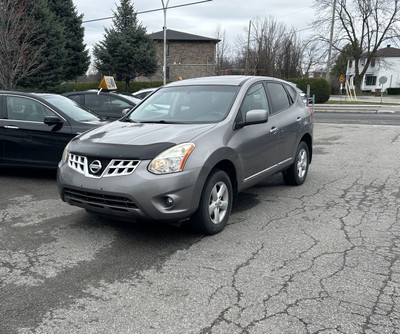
x: 393, y: 91
x: 121, y: 86
x: 318, y: 87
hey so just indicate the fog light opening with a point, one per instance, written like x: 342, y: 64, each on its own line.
x: 169, y: 201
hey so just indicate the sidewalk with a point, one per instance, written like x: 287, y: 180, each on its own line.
x: 359, y: 108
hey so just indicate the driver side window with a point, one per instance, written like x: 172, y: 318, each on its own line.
x: 255, y: 98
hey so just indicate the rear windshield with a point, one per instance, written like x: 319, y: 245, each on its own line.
x: 186, y: 104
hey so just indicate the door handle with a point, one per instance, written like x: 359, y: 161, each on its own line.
x: 11, y: 127
x: 298, y: 119
x: 273, y: 130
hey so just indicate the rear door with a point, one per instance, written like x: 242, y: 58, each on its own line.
x: 27, y: 140
x: 289, y: 116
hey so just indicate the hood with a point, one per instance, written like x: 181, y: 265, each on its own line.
x: 135, y: 140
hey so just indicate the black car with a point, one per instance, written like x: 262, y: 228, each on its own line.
x: 35, y: 127
x: 106, y: 104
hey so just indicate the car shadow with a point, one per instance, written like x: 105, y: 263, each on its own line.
x: 28, y: 172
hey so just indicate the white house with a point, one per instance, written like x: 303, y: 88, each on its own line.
x: 386, y: 63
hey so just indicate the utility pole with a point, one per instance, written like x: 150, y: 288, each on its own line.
x: 330, y: 42
x: 247, y: 51
x: 165, y: 41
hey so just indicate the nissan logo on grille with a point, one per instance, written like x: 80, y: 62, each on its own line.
x: 95, y: 166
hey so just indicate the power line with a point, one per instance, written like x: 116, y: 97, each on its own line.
x: 148, y: 11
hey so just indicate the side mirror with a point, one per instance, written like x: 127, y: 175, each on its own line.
x: 256, y: 116
x: 125, y: 111
x: 53, y: 120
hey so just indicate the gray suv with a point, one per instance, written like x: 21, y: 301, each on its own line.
x: 188, y: 149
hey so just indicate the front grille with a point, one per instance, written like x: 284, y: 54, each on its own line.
x: 106, y: 167
x: 98, y: 200
x: 121, y: 167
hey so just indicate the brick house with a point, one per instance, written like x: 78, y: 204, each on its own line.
x: 188, y: 56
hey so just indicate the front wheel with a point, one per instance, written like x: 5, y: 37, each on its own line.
x: 215, y: 204
x: 296, y: 174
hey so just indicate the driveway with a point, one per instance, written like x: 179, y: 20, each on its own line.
x: 320, y: 258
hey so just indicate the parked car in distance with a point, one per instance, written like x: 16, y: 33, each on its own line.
x: 188, y: 149
x: 142, y: 93
x: 35, y: 127
x: 104, y: 103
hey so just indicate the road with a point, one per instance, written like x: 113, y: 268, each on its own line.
x: 320, y: 258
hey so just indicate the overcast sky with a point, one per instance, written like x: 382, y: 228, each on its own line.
x: 200, y: 19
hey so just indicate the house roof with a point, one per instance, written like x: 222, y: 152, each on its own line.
x: 173, y: 35
x: 388, y: 52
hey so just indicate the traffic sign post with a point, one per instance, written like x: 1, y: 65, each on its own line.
x: 341, y: 80
x: 382, y: 80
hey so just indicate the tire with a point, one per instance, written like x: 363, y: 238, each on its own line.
x: 296, y: 174
x: 215, y: 204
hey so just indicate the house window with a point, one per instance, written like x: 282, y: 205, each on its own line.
x: 372, y: 62
x: 370, y: 80
x: 167, y: 73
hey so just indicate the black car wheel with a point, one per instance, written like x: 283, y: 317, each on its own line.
x: 296, y: 174
x: 215, y: 204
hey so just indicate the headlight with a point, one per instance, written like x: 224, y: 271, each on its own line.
x: 172, y: 160
x: 65, y: 153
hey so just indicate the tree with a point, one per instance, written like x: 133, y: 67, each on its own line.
x: 340, y: 67
x: 77, y: 57
x: 364, y: 24
x: 52, y: 57
x: 273, y: 50
x: 126, y: 50
x: 21, y: 44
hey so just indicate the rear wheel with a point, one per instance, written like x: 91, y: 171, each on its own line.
x: 296, y: 174
x: 215, y: 204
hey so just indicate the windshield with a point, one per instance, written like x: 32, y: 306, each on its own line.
x: 186, y: 104
x: 71, y: 108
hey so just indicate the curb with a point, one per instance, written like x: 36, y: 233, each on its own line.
x: 372, y: 109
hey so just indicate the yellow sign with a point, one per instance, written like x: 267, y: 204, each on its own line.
x: 341, y: 79
x: 108, y: 83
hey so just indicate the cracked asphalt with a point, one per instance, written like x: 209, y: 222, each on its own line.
x: 320, y: 258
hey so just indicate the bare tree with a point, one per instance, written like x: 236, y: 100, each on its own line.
x: 18, y: 53
x: 364, y: 24
x: 221, y: 53
x: 274, y: 50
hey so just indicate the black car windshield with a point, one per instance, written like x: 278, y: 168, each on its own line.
x: 186, y: 104
x: 71, y: 108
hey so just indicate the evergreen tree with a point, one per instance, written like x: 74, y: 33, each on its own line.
x: 340, y: 66
x: 51, y: 33
x: 77, y: 58
x: 126, y: 51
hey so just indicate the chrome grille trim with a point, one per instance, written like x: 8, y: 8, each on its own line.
x: 77, y: 163
x: 120, y: 167
x: 116, y: 167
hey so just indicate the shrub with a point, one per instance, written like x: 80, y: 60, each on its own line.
x: 318, y: 87
x: 393, y: 91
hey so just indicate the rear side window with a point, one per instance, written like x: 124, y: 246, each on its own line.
x: 279, y: 97
x: 25, y: 109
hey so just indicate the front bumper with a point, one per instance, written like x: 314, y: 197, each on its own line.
x: 140, y: 195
